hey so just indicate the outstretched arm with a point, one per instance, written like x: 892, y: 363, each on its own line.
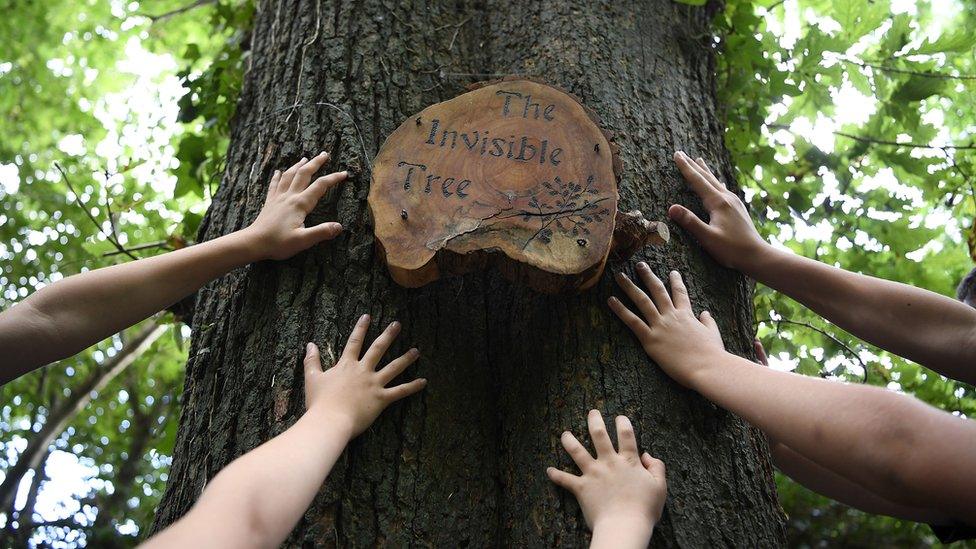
x: 621, y: 492
x: 65, y: 317
x: 834, y: 486
x: 892, y: 444
x: 257, y: 500
x: 920, y: 325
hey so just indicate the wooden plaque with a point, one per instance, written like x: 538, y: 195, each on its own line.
x: 515, y: 173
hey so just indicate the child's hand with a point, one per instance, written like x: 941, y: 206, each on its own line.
x: 669, y: 332
x: 279, y: 232
x: 622, y: 493
x: 729, y: 236
x: 354, y: 392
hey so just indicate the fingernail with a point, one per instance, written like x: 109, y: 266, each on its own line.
x: 303, y: 159
x: 395, y: 325
x: 423, y: 381
x: 594, y: 411
x: 642, y: 265
x: 364, y: 318
x: 674, y: 273
x: 612, y: 300
x: 565, y: 433
x: 622, y: 274
x: 309, y: 347
x: 323, y: 153
x: 415, y: 351
x: 345, y: 173
x: 277, y: 173
x: 700, y: 159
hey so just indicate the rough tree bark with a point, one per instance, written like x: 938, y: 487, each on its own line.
x: 509, y: 369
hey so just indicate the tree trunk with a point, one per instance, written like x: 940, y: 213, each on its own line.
x: 509, y: 369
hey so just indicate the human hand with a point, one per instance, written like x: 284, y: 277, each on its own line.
x: 729, y: 236
x: 354, y: 392
x: 620, y: 492
x: 669, y: 332
x: 279, y: 231
x: 757, y: 347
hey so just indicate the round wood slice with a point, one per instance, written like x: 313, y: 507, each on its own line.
x: 515, y: 174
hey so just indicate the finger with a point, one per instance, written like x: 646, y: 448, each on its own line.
x: 689, y: 222
x: 632, y: 321
x: 626, y: 439
x: 662, y: 301
x: 305, y: 173
x: 576, y: 451
x: 709, y: 175
x: 289, y: 174
x: 396, y: 367
x: 638, y: 297
x: 354, y: 344
x: 312, y: 362
x: 320, y: 186
x: 698, y: 182
x: 679, y: 293
x: 273, y: 186
x: 598, y: 434
x: 653, y: 464
x: 706, y: 318
x: 380, y: 345
x: 563, y: 479
x: 398, y: 392
x: 321, y: 232
x: 761, y: 357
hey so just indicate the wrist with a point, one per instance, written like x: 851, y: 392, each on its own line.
x: 253, y: 244
x: 325, y: 416
x: 622, y: 531
x: 708, y: 362
x: 757, y: 261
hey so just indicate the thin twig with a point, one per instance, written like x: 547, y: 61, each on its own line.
x: 161, y: 244
x: 877, y: 141
x: 924, y: 74
x: 830, y: 336
x: 98, y: 225
x: 164, y: 16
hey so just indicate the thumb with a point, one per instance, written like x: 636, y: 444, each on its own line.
x: 312, y: 362
x: 320, y: 232
x: 706, y: 318
x: 689, y: 222
x: 757, y: 347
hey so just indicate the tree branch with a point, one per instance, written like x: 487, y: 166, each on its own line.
x: 924, y: 74
x: 111, y: 238
x: 164, y: 16
x: 830, y: 336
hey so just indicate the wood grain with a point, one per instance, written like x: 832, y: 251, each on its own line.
x: 514, y: 174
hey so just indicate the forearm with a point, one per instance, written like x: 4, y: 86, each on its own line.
x: 257, y: 499
x: 622, y: 533
x: 72, y: 314
x: 893, y: 445
x: 917, y: 324
x: 834, y: 486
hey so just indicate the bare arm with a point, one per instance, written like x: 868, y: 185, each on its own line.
x: 828, y: 483
x: 65, y: 317
x: 917, y: 324
x: 257, y: 500
x: 893, y: 445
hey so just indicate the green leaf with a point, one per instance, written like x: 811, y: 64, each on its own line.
x: 691, y: 2
x: 959, y: 40
x: 917, y: 88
